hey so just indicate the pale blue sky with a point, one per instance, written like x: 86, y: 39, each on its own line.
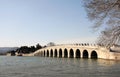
x: 28, y: 22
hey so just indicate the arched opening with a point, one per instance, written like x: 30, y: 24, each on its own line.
x: 65, y: 53
x: 51, y: 53
x: 47, y: 53
x: 44, y: 53
x: 85, y: 54
x: 55, y: 52
x: 82, y: 44
x: 94, y: 55
x: 78, y: 53
x: 41, y: 53
x: 71, y: 53
x: 60, y: 52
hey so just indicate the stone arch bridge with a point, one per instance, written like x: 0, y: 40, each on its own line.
x: 77, y: 51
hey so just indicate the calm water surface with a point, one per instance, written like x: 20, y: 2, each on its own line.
x: 57, y: 67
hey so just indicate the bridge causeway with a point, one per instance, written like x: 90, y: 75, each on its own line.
x: 77, y: 51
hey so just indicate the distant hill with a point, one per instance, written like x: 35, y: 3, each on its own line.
x: 6, y: 49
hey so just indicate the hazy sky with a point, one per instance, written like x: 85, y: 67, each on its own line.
x: 28, y: 22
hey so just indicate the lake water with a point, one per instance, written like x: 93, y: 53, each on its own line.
x: 57, y: 67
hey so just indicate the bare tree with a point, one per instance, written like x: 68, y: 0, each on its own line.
x: 109, y: 36
x: 105, y: 12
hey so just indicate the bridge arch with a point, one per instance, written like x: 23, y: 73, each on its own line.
x: 94, y: 55
x: 60, y: 53
x: 41, y: 53
x: 65, y: 53
x: 44, y: 53
x: 78, y: 54
x: 85, y: 54
x: 71, y: 53
x: 51, y: 53
x: 47, y: 53
x: 55, y: 53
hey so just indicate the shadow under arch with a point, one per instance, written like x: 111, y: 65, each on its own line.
x: 71, y: 53
x: 44, y: 53
x: 47, y: 53
x: 85, y: 54
x: 78, y: 54
x: 94, y: 55
x: 60, y: 53
x: 55, y: 53
x: 65, y: 53
x: 51, y: 53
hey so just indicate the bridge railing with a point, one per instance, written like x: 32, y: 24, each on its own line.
x: 83, y: 45
x: 78, y: 44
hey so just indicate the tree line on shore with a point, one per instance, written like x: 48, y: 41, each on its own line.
x: 26, y: 49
